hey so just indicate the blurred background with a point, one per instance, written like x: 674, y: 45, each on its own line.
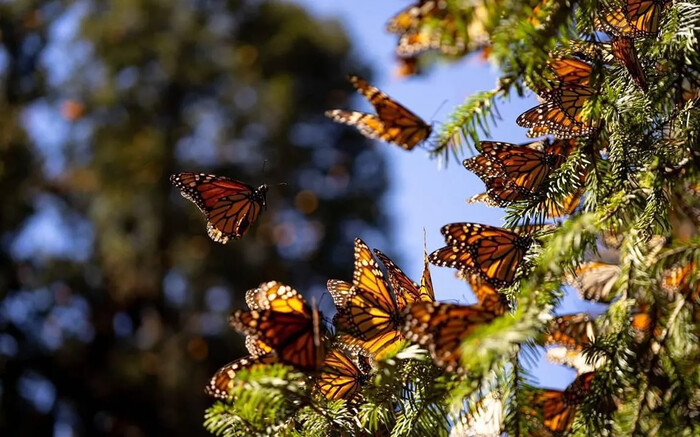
x: 113, y: 300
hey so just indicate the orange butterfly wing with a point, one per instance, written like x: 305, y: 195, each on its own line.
x: 441, y: 328
x: 366, y: 309
x: 341, y: 377
x: 284, y: 323
x: 489, y: 299
x: 575, y: 331
x: 493, y: 253
x: 393, y: 122
x: 230, y: 206
x: 223, y: 381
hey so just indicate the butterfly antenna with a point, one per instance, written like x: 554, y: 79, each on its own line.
x: 264, y: 165
x: 436, y: 111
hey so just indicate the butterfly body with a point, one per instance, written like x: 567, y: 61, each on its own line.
x: 230, y: 206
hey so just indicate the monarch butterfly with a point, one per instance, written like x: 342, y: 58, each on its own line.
x: 490, y: 252
x: 512, y: 172
x: 575, y: 331
x: 489, y: 299
x: 625, y: 52
x: 345, y: 370
x: 281, y: 320
x: 677, y: 278
x: 230, y: 206
x: 561, y: 113
x: 418, y: 33
x: 441, y: 327
x: 573, y: 359
x: 393, y: 123
x: 595, y: 280
x: 559, y: 407
x: 637, y: 19
x: 223, y: 381
x: 407, y: 67
x: 409, y: 18
x: 405, y: 290
x: 571, y: 70
x: 366, y: 308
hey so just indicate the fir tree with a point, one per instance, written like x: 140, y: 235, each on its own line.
x: 634, y: 159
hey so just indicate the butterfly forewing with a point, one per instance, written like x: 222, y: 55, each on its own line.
x: 223, y: 381
x: 343, y: 373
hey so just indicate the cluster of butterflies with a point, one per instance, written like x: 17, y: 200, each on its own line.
x: 515, y: 173
x: 562, y: 112
x: 376, y: 315
x: 574, y: 333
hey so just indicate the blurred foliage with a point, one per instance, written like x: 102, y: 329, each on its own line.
x: 114, y: 301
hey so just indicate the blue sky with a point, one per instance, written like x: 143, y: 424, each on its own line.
x: 421, y: 194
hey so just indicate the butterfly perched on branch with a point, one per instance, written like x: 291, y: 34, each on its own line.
x: 367, y: 310
x: 635, y: 19
x: 280, y: 319
x: 492, y: 253
x: 558, y: 408
x: 393, y: 123
x: 271, y: 304
x: 595, y: 280
x: 514, y: 172
x: 575, y: 331
x: 230, y: 206
x: 345, y: 370
x: 561, y: 113
x: 441, y: 327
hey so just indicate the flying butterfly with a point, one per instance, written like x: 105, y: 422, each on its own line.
x: 230, y: 206
x: 488, y: 251
x: 561, y: 114
x: 595, y: 280
x: 407, y: 67
x: 366, y: 308
x: 575, y: 331
x: 559, y: 407
x: 344, y: 372
x: 441, y: 328
x: 281, y: 320
x: 393, y: 123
